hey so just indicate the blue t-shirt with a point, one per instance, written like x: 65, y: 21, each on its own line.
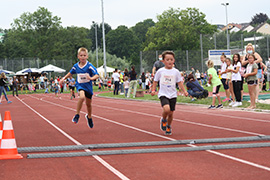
x: 71, y: 82
x: 82, y: 83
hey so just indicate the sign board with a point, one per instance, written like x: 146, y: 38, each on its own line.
x: 214, y: 55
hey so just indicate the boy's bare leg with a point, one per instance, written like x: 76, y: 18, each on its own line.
x: 219, y: 100
x: 214, y: 100
x: 80, y: 101
x: 89, y: 107
x: 167, y: 114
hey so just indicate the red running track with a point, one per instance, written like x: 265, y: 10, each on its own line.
x: 45, y: 120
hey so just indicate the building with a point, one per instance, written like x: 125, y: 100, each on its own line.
x: 263, y: 28
x: 247, y: 28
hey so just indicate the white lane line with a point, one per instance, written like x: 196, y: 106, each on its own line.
x: 164, y: 137
x: 180, y: 120
x: 200, y: 112
x: 104, y: 163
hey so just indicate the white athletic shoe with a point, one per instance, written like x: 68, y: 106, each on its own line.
x: 231, y: 103
x: 236, y: 104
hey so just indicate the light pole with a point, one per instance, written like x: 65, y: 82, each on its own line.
x: 104, y: 46
x: 228, y: 39
x: 96, y: 42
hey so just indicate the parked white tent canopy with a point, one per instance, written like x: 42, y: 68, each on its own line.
x: 100, y: 70
x: 52, y: 68
x: 28, y: 70
x: 6, y: 71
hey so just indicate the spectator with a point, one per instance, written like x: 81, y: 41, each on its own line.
x: 157, y: 65
x: 133, y: 82
x: 194, y: 88
x: 143, y: 80
x: 198, y: 76
x: 3, y: 82
x: 229, y: 78
x: 15, y: 86
x: 116, y: 78
x: 223, y: 75
x: 268, y: 73
x: 126, y: 86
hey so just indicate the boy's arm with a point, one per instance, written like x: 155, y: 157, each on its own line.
x: 154, y: 88
x: 65, y: 77
x: 210, y: 78
x: 182, y: 87
x: 94, y: 77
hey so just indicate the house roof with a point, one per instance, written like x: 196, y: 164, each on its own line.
x: 258, y: 27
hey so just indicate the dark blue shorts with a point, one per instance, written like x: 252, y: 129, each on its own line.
x: 226, y: 86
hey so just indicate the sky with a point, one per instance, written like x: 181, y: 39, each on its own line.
x: 81, y: 13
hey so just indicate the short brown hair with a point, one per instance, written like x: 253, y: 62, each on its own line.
x: 167, y: 52
x: 210, y: 63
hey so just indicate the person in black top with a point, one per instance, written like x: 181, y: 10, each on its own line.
x: 157, y: 65
x: 143, y: 80
x: 133, y: 82
x: 3, y: 81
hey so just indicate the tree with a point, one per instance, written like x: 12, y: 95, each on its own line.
x: 92, y: 34
x: 141, y: 28
x: 178, y: 30
x: 123, y: 43
x: 258, y: 19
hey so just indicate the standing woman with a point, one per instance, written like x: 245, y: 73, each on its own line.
x: 2, y: 86
x: 250, y: 51
x: 198, y: 76
x: 223, y: 75
x: 236, y: 79
x: 133, y: 82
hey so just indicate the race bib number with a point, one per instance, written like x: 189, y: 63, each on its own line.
x: 167, y: 80
x: 82, y: 78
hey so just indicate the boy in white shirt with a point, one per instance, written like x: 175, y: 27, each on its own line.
x: 168, y: 76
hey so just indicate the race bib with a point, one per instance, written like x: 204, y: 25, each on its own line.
x: 82, y: 78
x: 167, y: 80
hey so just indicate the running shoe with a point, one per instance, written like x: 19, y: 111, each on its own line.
x: 76, y: 118
x: 236, y: 104
x: 219, y: 106
x: 163, y: 124
x: 168, y: 130
x: 9, y: 102
x: 226, y: 99
x: 211, y: 107
x: 89, y: 121
x: 231, y: 103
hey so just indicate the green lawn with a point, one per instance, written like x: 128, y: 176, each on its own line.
x: 182, y: 99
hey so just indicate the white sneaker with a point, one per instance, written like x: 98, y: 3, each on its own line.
x: 231, y: 103
x: 236, y: 104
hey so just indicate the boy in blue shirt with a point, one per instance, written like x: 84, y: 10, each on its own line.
x: 86, y: 73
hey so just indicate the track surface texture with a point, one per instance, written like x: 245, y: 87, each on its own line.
x: 45, y: 120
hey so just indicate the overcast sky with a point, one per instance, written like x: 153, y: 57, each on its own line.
x: 128, y: 12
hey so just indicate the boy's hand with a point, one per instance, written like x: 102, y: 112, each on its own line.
x: 153, y: 93
x: 61, y: 81
x: 88, y: 77
x: 186, y: 93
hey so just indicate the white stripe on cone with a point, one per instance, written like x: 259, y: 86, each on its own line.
x: 8, y: 125
x: 1, y: 134
x: 8, y: 144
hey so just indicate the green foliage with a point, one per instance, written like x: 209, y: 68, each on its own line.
x: 178, y: 29
x: 123, y: 43
x: 258, y: 19
x: 111, y: 60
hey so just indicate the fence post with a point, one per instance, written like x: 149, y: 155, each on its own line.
x: 22, y: 63
x: 201, y: 51
x: 141, y: 70
x: 187, y: 60
x: 267, y: 45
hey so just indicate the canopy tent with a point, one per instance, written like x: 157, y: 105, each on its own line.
x: 52, y: 68
x: 101, y: 69
x: 27, y: 70
x: 6, y: 71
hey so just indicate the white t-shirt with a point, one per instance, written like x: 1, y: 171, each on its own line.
x: 116, y: 76
x: 198, y: 75
x: 223, y: 68
x: 167, y: 81
x: 126, y: 84
x: 236, y: 76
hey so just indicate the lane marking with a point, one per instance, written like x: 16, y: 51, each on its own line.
x: 104, y: 163
x: 164, y: 137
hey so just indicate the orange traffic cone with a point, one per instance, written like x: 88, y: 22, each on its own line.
x: 1, y: 129
x: 8, y: 149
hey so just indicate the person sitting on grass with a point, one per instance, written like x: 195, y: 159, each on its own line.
x: 193, y: 86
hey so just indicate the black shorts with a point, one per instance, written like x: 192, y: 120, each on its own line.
x: 216, y: 90
x: 226, y: 86
x: 72, y: 87
x: 242, y: 83
x: 171, y: 102
x: 87, y: 94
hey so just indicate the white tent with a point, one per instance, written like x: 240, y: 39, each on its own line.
x: 28, y: 70
x: 52, y: 68
x: 100, y: 70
